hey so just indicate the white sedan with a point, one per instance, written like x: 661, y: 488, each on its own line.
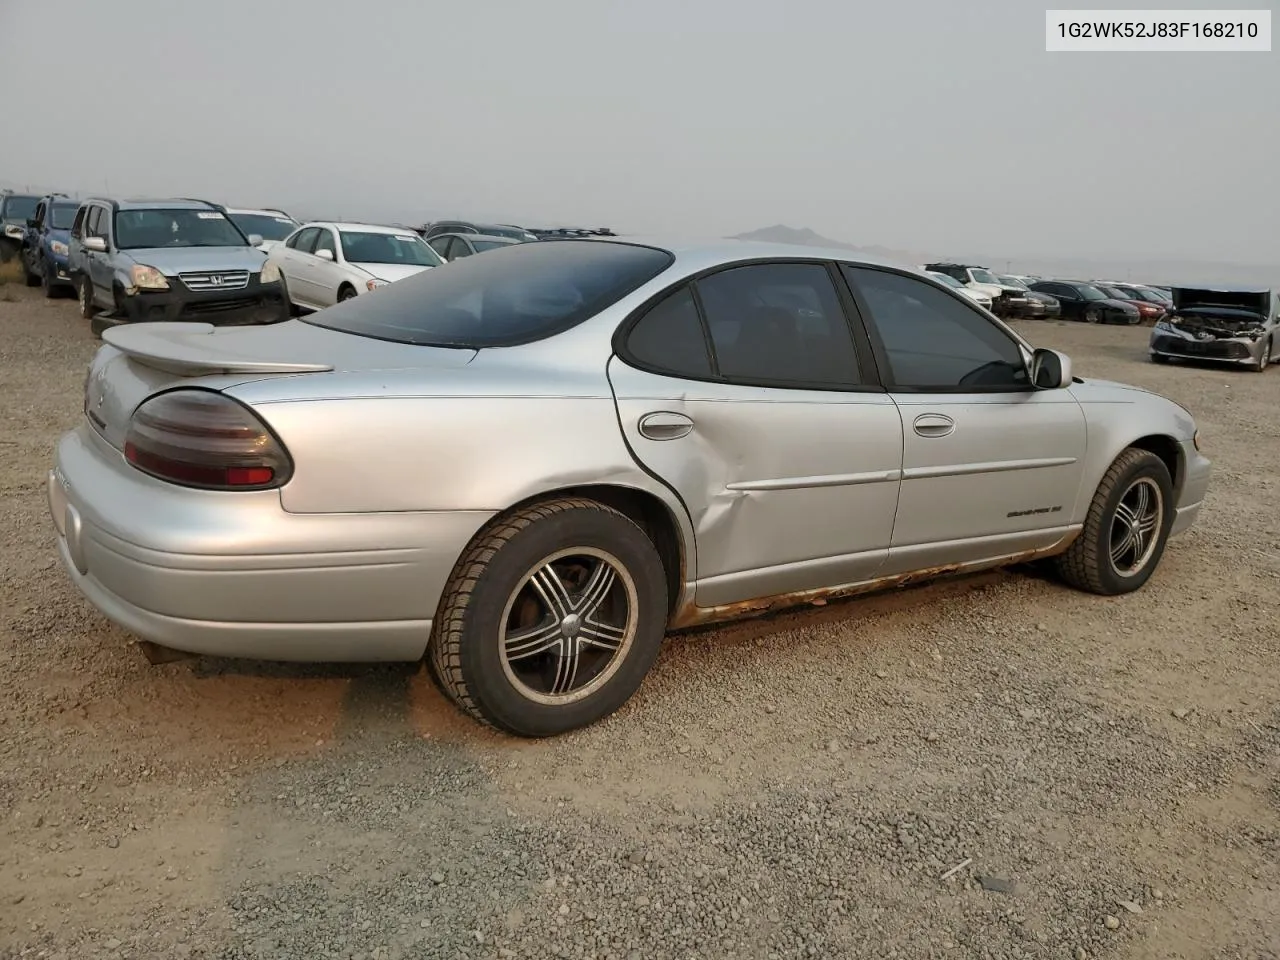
x: 980, y: 297
x: 321, y: 264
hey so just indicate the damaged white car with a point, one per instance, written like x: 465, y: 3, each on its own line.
x: 1232, y: 326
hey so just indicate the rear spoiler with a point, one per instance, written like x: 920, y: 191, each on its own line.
x: 184, y: 349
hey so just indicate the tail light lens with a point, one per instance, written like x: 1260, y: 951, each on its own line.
x: 199, y: 438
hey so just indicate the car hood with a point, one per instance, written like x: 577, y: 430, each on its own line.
x: 1256, y: 301
x: 391, y: 272
x: 174, y: 260
x: 1043, y: 297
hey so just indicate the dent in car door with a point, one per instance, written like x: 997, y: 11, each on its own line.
x: 991, y: 466
x: 788, y: 488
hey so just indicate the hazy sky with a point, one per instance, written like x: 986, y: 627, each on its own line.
x: 930, y: 125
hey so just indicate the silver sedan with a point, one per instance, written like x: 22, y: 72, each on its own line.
x: 529, y: 466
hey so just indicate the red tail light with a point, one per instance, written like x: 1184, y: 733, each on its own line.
x: 199, y: 438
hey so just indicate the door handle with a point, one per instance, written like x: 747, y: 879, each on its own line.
x: 934, y: 425
x: 665, y: 426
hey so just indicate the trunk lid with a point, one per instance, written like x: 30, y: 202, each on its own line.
x: 141, y: 359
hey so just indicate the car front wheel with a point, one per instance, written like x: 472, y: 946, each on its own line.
x: 1264, y: 358
x: 84, y: 292
x: 551, y: 619
x: 1126, y: 528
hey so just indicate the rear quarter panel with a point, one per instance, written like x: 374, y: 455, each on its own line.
x: 484, y: 437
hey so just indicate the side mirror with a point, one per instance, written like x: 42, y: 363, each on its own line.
x: 255, y: 239
x: 325, y: 255
x: 95, y: 244
x: 1050, y: 370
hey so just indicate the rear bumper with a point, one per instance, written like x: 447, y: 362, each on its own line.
x: 253, y: 304
x: 235, y: 575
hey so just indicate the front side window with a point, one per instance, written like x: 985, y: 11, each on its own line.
x: 779, y: 324
x: 325, y: 242
x: 440, y: 245
x: 408, y: 249
x: 526, y: 292
x: 669, y: 338
x: 147, y: 229
x: 1090, y: 292
x: 95, y: 225
x: 933, y: 341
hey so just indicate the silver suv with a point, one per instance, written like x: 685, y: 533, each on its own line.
x: 138, y: 260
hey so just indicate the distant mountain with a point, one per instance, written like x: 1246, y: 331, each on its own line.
x: 1168, y: 272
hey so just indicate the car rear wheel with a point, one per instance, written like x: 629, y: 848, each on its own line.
x: 551, y: 619
x: 1126, y: 528
x: 84, y: 291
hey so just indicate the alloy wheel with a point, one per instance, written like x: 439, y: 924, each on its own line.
x: 1136, y: 526
x: 568, y: 625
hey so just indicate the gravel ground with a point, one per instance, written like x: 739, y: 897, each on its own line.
x: 1104, y: 773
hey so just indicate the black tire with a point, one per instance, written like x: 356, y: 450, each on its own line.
x: 346, y: 293
x: 1091, y: 315
x: 46, y: 282
x: 84, y: 293
x: 1089, y: 564
x: 29, y: 278
x: 291, y: 309
x: 1264, y: 358
x: 490, y: 586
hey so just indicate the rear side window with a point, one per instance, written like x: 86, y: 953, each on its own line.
x: 779, y: 323
x: 519, y: 294
x: 669, y: 338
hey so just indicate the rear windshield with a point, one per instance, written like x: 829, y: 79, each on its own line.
x: 518, y: 294
x: 19, y: 207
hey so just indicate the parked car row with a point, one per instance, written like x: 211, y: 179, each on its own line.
x: 1021, y: 295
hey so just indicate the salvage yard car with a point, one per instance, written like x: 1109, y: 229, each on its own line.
x: 168, y: 260
x: 323, y: 263
x: 1233, y: 326
x: 527, y: 466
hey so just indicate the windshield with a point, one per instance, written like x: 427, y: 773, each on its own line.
x: 1115, y: 293
x: 949, y: 280
x: 266, y: 225
x: 405, y: 248
x: 146, y: 229
x: 515, y: 233
x: 1149, y: 295
x: 983, y: 276
x: 1090, y: 293
x: 1013, y: 282
x: 62, y: 215
x: 487, y: 245
x: 523, y: 292
x: 20, y: 208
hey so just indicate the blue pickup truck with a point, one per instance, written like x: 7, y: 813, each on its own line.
x: 45, y: 244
